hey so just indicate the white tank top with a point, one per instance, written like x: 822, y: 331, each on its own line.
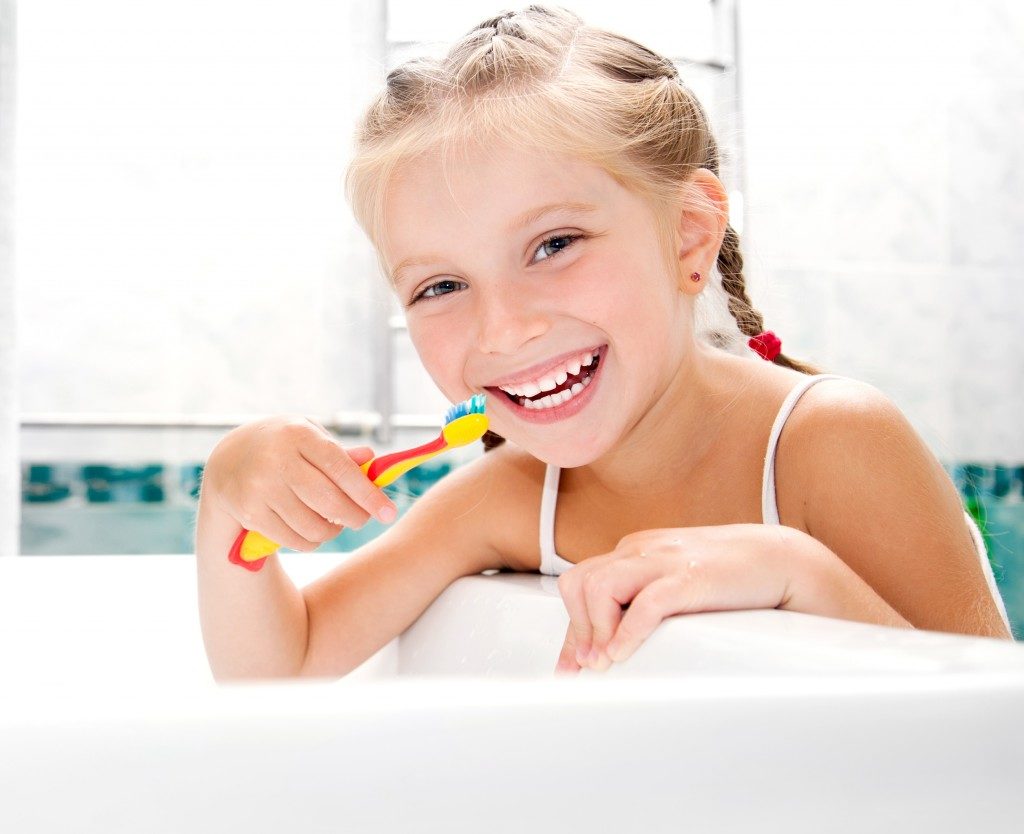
x: 552, y: 564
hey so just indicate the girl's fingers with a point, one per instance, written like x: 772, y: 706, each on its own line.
x: 360, y: 454
x: 661, y: 599
x: 605, y: 613
x: 271, y: 525
x: 320, y: 494
x: 333, y: 460
x: 307, y: 528
x: 567, y: 664
x: 570, y: 586
x: 611, y: 588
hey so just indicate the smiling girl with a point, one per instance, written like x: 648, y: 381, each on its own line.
x: 545, y: 203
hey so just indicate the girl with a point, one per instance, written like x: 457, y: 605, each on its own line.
x: 546, y: 204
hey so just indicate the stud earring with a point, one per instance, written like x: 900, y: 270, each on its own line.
x: 695, y: 276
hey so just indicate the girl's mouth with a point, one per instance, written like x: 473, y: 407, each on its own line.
x: 565, y: 400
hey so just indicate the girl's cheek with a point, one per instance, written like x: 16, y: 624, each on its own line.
x: 441, y: 352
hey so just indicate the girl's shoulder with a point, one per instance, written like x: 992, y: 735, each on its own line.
x: 832, y: 432
x: 874, y: 493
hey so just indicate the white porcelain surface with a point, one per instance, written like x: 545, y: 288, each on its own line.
x: 733, y: 721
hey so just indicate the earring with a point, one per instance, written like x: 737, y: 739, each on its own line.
x: 695, y: 276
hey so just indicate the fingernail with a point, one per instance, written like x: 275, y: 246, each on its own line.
x: 387, y: 514
x: 593, y: 656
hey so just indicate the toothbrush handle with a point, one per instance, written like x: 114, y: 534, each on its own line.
x: 386, y: 468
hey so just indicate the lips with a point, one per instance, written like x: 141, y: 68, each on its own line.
x: 559, y: 412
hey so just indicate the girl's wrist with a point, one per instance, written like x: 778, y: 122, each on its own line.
x: 214, y: 524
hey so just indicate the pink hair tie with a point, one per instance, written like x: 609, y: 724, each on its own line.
x: 767, y: 344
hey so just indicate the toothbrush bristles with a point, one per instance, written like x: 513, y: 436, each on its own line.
x: 474, y: 405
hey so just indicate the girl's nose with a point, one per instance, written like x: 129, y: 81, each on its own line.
x: 506, y: 321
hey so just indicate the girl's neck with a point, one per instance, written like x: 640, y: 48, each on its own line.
x: 680, y: 436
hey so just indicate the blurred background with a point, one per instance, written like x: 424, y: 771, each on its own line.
x: 177, y: 257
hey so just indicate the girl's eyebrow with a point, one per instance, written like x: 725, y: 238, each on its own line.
x: 535, y: 214
x: 524, y: 219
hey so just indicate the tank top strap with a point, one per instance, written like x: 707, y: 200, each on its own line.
x: 549, y: 498
x: 986, y: 568
x: 769, y: 507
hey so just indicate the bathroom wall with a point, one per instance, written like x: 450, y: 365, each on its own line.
x: 883, y: 173
x: 10, y: 481
x: 184, y: 243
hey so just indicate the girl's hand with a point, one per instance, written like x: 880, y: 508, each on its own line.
x: 287, y: 478
x: 616, y: 601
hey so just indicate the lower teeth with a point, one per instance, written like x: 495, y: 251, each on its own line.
x: 553, y: 400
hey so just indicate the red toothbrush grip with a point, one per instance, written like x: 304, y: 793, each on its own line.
x: 235, y: 555
x: 387, y: 461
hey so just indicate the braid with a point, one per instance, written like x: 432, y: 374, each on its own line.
x: 748, y: 319
x: 730, y: 266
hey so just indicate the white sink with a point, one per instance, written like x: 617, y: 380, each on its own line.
x: 723, y: 721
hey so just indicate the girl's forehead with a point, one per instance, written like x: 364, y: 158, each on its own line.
x: 475, y: 169
x: 437, y: 206
x: 491, y: 185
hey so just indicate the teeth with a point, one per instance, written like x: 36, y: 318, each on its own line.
x: 552, y: 400
x: 549, y: 383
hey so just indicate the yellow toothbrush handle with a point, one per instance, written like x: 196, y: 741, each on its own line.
x: 393, y: 473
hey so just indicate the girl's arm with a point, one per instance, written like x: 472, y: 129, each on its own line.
x: 253, y: 624
x: 876, y: 497
x: 259, y: 625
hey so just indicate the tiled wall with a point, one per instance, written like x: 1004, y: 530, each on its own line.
x: 883, y: 168
x: 190, y: 170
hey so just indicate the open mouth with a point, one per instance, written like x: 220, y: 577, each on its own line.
x: 567, y: 397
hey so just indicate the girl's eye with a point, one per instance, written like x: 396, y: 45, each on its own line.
x: 436, y: 290
x: 449, y: 285
x: 570, y: 239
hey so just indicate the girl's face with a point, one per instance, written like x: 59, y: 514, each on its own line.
x: 497, y: 293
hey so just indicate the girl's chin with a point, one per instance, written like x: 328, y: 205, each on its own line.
x: 563, y: 455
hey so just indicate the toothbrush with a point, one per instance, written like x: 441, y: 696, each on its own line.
x: 463, y: 423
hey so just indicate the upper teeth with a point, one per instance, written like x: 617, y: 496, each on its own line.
x: 553, y: 378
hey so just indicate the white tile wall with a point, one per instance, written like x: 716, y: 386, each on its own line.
x: 882, y: 207
x: 183, y: 240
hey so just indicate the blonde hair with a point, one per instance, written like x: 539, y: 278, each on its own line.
x: 541, y: 79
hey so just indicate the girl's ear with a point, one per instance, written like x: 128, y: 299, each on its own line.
x: 701, y: 227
